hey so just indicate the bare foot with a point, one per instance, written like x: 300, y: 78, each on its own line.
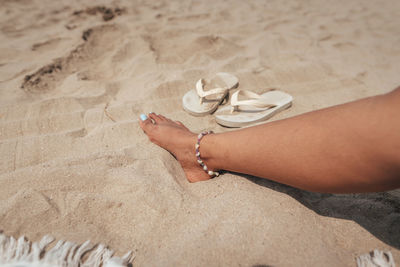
x: 178, y: 140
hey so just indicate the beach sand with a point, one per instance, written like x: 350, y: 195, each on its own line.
x: 75, y: 75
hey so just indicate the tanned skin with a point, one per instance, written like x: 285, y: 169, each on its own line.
x: 348, y: 148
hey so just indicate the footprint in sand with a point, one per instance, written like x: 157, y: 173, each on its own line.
x: 173, y: 47
x: 99, y: 44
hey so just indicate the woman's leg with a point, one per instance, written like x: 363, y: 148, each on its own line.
x: 354, y: 147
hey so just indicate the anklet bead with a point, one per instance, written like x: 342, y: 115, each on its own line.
x: 211, y: 173
x: 199, y: 160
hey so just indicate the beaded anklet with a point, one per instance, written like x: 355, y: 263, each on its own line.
x: 197, y: 146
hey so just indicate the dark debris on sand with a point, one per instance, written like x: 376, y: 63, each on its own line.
x: 106, y: 12
x: 33, y: 80
x: 86, y: 34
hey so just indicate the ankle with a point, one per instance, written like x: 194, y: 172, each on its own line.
x: 207, y: 153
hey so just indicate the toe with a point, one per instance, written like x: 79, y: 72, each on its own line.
x: 162, y: 117
x: 145, y: 123
x: 156, y: 118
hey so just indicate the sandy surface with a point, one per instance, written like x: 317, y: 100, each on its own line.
x: 74, y: 78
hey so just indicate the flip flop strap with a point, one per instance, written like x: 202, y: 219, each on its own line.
x: 255, y: 100
x: 202, y: 94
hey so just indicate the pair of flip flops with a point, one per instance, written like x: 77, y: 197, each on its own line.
x: 251, y: 108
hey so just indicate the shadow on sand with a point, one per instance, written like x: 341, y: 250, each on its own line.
x: 378, y: 213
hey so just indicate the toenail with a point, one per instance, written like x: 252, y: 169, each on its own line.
x: 143, y: 117
x: 151, y: 112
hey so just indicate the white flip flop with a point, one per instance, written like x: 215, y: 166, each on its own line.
x: 254, y: 109
x: 198, y: 102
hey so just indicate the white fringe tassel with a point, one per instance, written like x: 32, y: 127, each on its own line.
x: 23, y: 253
x: 376, y: 258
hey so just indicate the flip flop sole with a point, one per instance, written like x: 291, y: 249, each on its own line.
x: 191, y: 104
x: 191, y: 101
x: 250, y: 115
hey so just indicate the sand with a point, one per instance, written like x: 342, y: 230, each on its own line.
x: 75, y: 75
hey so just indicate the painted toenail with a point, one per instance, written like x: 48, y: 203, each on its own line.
x: 143, y: 117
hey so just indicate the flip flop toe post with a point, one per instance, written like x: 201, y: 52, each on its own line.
x: 200, y: 102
